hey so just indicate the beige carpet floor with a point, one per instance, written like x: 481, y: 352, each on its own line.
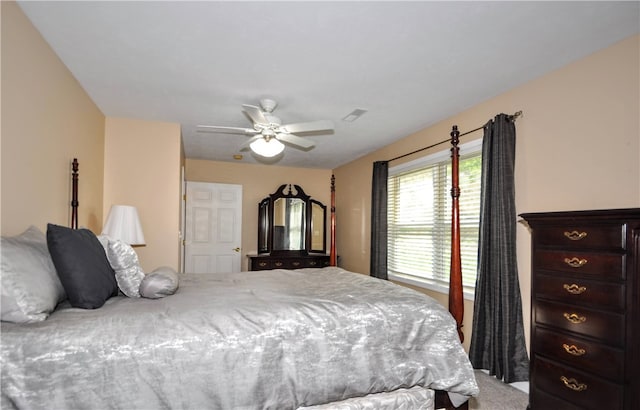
x: 495, y: 395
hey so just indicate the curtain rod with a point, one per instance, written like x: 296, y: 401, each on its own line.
x: 513, y: 117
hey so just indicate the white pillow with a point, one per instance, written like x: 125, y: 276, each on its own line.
x: 31, y: 288
x: 161, y: 282
x: 124, y: 261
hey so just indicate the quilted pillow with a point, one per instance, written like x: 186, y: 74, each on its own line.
x: 30, y: 285
x: 161, y: 282
x: 124, y: 261
x: 82, y: 266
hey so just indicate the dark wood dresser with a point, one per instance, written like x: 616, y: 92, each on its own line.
x: 264, y: 262
x: 585, y: 310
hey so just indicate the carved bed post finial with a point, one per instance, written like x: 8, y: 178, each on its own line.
x: 333, y: 260
x: 456, y: 299
x: 74, y: 194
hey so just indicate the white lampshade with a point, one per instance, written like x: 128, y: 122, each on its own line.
x: 265, y: 148
x: 123, y: 224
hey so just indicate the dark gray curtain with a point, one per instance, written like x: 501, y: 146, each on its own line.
x: 497, y: 341
x: 378, y: 264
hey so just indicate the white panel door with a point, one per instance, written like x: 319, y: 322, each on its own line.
x: 213, y: 228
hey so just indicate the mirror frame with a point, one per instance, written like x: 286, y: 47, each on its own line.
x: 263, y: 226
x: 266, y: 220
x: 310, y: 229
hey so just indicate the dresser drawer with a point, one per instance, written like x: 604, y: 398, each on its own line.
x: 606, y: 295
x: 579, y: 353
x: 585, y: 390
x: 599, y: 265
x: 543, y: 401
x: 606, y: 326
x: 294, y: 264
x: 316, y: 263
x: 306, y: 263
x: 288, y: 263
x: 266, y: 264
x: 582, y: 236
x: 260, y: 264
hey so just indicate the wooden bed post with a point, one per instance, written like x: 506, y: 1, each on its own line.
x: 332, y: 252
x: 74, y: 194
x: 456, y: 300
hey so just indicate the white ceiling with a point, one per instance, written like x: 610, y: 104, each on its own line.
x: 409, y: 64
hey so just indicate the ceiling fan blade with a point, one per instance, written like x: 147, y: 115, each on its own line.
x: 323, y: 125
x: 297, y: 141
x: 255, y: 114
x: 226, y: 130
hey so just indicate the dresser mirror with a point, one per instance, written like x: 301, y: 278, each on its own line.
x: 318, y: 225
x: 290, y: 222
x: 263, y: 226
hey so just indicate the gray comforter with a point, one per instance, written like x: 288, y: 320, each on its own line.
x: 253, y: 340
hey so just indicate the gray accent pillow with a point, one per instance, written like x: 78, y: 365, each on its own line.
x: 124, y: 261
x: 161, y: 282
x: 30, y: 285
x: 82, y: 266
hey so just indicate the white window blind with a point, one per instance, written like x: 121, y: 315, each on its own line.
x: 419, y: 220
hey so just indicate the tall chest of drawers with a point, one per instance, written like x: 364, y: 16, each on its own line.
x: 585, y: 310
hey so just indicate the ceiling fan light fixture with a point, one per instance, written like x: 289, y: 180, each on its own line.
x: 267, y: 148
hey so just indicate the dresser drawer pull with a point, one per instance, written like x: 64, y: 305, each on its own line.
x: 573, y: 384
x: 262, y: 264
x: 575, y: 262
x: 278, y: 264
x: 295, y: 263
x: 573, y: 350
x: 574, y: 289
x: 575, y: 235
x: 574, y: 318
x: 313, y: 263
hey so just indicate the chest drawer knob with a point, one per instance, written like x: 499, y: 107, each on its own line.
x: 574, y: 289
x: 573, y: 384
x: 279, y: 264
x: 574, y: 318
x: 573, y: 350
x: 262, y: 264
x: 575, y: 235
x: 575, y: 262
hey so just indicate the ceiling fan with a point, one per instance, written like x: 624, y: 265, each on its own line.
x: 268, y: 133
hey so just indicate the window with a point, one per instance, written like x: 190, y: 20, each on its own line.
x: 419, y: 219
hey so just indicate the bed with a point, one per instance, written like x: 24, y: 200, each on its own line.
x: 282, y: 339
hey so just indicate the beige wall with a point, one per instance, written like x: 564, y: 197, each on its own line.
x: 577, y: 148
x: 258, y: 181
x: 142, y: 169
x: 47, y: 120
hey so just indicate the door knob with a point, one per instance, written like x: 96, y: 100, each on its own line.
x: 237, y: 249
